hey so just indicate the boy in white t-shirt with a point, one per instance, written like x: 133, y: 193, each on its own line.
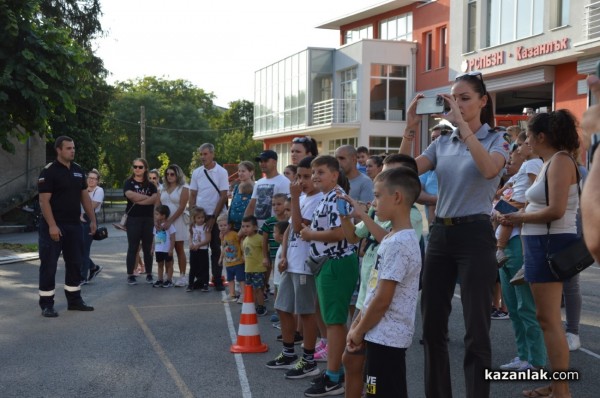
x: 297, y: 289
x: 385, y: 327
x: 164, y: 243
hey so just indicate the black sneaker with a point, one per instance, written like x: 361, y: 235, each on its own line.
x: 324, y: 388
x: 158, y: 283
x: 302, y: 369
x: 149, y: 278
x: 282, y: 362
x: 204, y: 288
x: 261, y: 310
x: 189, y: 288
x: 94, y: 273
x: 131, y: 280
x: 319, y: 378
x: 168, y: 283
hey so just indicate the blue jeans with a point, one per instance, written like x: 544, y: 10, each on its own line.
x: 86, y: 264
x: 69, y: 245
x: 520, y: 304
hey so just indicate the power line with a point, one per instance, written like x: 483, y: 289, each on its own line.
x: 162, y: 128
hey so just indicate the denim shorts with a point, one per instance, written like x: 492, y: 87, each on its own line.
x: 236, y: 272
x: 535, y: 248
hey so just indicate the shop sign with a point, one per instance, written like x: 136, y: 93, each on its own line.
x: 521, y: 53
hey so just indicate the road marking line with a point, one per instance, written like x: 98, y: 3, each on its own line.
x: 176, y: 305
x: 591, y: 353
x: 183, y: 388
x: 239, y: 361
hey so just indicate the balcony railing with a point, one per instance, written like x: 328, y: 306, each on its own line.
x: 335, y: 111
x: 592, y: 21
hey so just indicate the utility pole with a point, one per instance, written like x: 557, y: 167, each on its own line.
x: 142, y: 132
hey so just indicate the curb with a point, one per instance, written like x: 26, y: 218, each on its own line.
x: 16, y: 258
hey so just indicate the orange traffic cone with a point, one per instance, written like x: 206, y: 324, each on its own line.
x: 248, y: 340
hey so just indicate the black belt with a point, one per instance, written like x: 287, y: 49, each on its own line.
x: 461, y: 220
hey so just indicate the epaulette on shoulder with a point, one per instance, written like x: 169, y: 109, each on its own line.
x: 48, y: 165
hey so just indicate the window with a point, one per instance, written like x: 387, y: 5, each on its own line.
x: 510, y: 20
x: 379, y: 144
x: 396, y: 28
x: 388, y: 92
x: 357, y: 34
x: 443, y: 46
x: 471, y: 25
x: 428, y: 50
x: 283, y: 154
x: 335, y: 144
x: 349, y: 105
x: 561, y: 12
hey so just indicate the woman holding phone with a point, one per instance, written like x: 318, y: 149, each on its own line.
x: 468, y: 163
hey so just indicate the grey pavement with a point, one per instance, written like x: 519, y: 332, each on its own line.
x: 147, y: 342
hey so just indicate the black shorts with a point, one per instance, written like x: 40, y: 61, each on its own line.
x: 162, y: 256
x: 385, y: 371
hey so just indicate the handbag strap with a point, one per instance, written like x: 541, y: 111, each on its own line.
x: 546, y: 191
x: 214, y: 185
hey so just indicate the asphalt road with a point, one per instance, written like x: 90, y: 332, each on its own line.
x: 145, y: 342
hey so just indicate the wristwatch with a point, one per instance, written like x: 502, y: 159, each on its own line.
x: 592, y: 149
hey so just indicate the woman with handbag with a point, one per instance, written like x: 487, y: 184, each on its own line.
x: 549, y: 225
x: 90, y: 270
x: 141, y: 196
x: 175, y: 194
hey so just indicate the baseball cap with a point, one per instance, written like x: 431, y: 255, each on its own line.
x: 265, y: 155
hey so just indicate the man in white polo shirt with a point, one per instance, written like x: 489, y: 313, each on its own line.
x: 208, y: 189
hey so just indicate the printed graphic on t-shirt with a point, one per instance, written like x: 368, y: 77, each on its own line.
x: 326, y: 217
x: 264, y: 198
x: 161, y: 237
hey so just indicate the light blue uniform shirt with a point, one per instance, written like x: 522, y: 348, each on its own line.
x: 462, y: 189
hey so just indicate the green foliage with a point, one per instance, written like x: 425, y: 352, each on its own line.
x: 43, y: 68
x: 175, y: 112
x: 235, y: 142
x: 163, y: 158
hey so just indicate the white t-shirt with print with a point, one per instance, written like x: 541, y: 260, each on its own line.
x: 264, y: 189
x: 199, y: 235
x: 298, y: 249
x: 162, y: 239
x: 326, y: 217
x: 398, y: 260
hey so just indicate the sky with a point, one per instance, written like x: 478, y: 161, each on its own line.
x: 216, y: 45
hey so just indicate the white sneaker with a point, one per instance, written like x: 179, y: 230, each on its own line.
x: 501, y: 258
x: 514, y: 364
x: 181, y: 282
x: 526, y: 367
x: 573, y: 341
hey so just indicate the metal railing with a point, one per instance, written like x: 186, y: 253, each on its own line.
x: 591, y: 20
x: 335, y: 111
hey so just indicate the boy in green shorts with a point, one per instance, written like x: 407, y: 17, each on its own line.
x: 338, y: 275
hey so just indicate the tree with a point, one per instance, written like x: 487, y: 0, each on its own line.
x: 44, y: 69
x: 177, y: 115
x: 235, y: 142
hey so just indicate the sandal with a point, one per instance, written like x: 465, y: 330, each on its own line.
x: 540, y: 392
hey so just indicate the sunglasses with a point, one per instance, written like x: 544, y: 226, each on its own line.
x: 472, y: 75
x: 153, y: 178
x: 301, y: 140
x: 170, y: 174
x: 137, y: 167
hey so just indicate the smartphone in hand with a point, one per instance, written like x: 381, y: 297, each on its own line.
x: 429, y: 105
x: 342, y: 206
x: 504, y: 207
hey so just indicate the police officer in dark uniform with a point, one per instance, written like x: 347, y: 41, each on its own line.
x: 62, y: 188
